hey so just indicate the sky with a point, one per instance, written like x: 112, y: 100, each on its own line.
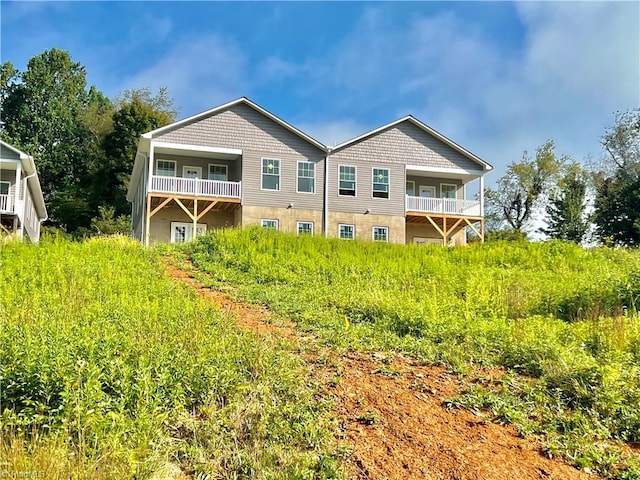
x: 498, y: 78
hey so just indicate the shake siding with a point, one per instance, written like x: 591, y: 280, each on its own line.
x: 407, y: 144
x: 6, y: 153
x: 257, y: 136
x: 394, y: 205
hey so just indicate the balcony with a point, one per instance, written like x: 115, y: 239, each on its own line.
x: 6, y: 203
x: 443, y: 206
x: 195, y: 187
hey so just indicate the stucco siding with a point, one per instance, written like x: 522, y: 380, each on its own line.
x: 406, y: 144
x: 287, y: 217
x: 364, y: 199
x: 160, y: 224
x: 415, y: 231
x: 364, y: 225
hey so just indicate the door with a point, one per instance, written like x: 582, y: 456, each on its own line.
x: 427, y: 191
x: 191, y: 172
x: 183, y: 232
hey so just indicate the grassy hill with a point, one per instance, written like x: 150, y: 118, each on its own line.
x: 110, y: 370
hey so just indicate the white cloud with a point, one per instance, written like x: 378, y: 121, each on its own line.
x: 208, y: 70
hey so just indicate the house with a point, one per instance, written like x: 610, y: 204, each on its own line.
x: 22, y: 207
x: 238, y: 164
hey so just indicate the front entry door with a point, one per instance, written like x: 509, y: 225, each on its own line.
x: 191, y: 172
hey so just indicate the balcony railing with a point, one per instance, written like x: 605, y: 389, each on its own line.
x: 451, y: 206
x: 6, y: 203
x: 196, y: 187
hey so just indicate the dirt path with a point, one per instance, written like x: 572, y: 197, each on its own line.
x: 392, y: 415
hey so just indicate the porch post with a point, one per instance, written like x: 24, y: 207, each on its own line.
x: 482, y: 196
x: 147, y: 221
x: 195, y: 219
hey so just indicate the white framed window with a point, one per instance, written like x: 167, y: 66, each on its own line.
x: 218, y: 172
x: 183, y: 232
x: 380, y: 182
x: 346, y: 232
x: 380, y: 234
x: 347, y: 180
x: 411, y: 188
x: 269, y: 223
x: 270, y: 174
x: 191, y: 172
x: 304, y: 228
x: 4, y: 188
x: 448, y: 190
x: 166, y: 168
x: 306, y: 177
x: 427, y: 191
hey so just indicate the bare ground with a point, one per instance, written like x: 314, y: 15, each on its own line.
x: 392, y: 415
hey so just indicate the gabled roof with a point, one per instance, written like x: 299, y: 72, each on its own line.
x: 426, y: 128
x: 29, y: 168
x: 241, y: 100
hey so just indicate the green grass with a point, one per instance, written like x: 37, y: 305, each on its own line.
x: 110, y: 370
x: 560, y: 319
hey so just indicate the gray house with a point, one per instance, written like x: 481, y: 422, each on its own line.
x: 239, y: 164
x: 22, y: 207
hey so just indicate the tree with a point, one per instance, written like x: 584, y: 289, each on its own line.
x: 566, y: 210
x: 137, y: 112
x: 617, y: 203
x: 520, y: 191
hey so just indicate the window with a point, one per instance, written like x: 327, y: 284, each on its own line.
x: 411, y: 188
x: 183, y: 232
x: 269, y: 223
x: 347, y: 184
x: 346, y: 232
x: 306, y: 177
x: 270, y: 174
x: 218, y: 172
x: 427, y: 191
x: 305, y: 228
x: 166, y: 168
x: 191, y: 172
x: 380, y: 234
x: 4, y: 188
x: 380, y: 182
x: 448, y: 190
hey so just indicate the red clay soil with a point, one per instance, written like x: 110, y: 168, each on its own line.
x: 392, y: 415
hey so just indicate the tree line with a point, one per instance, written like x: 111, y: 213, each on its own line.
x: 85, y: 143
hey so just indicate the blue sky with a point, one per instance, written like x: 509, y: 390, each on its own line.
x: 498, y: 78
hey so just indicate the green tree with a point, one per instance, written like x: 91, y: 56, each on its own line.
x: 137, y: 112
x: 566, y: 210
x: 520, y: 191
x: 617, y: 203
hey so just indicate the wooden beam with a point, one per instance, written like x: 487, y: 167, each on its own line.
x: 435, y: 226
x: 473, y: 228
x: 195, y: 219
x: 206, y: 210
x: 147, y: 221
x: 159, y: 207
x: 453, y: 227
x: 186, y: 210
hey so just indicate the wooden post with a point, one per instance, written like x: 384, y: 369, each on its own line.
x: 147, y: 221
x: 195, y: 219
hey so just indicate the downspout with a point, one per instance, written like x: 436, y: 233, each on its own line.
x: 326, y: 194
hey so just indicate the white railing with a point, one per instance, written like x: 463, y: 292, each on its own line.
x: 195, y: 186
x: 6, y: 203
x: 452, y: 206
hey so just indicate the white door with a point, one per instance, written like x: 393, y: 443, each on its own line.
x: 183, y: 232
x: 427, y: 191
x: 191, y: 172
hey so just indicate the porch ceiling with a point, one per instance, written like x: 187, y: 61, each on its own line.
x: 464, y: 175
x: 186, y: 152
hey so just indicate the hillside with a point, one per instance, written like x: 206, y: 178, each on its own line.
x: 310, y: 358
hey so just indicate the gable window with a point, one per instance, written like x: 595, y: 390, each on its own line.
x: 270, y: 174
x: 346, y: 232
x: 380, y: 234
x: 183, y: 232
x: 166, y: 168
x: 218, y: 172
x: 269, y: 223
x: 305, y: 228
x: 306, y: 177
x: 448, y: 190
x: 347, y: 179
x: 4, y: 188
x: 381, y: 182
x: 411, y: 188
